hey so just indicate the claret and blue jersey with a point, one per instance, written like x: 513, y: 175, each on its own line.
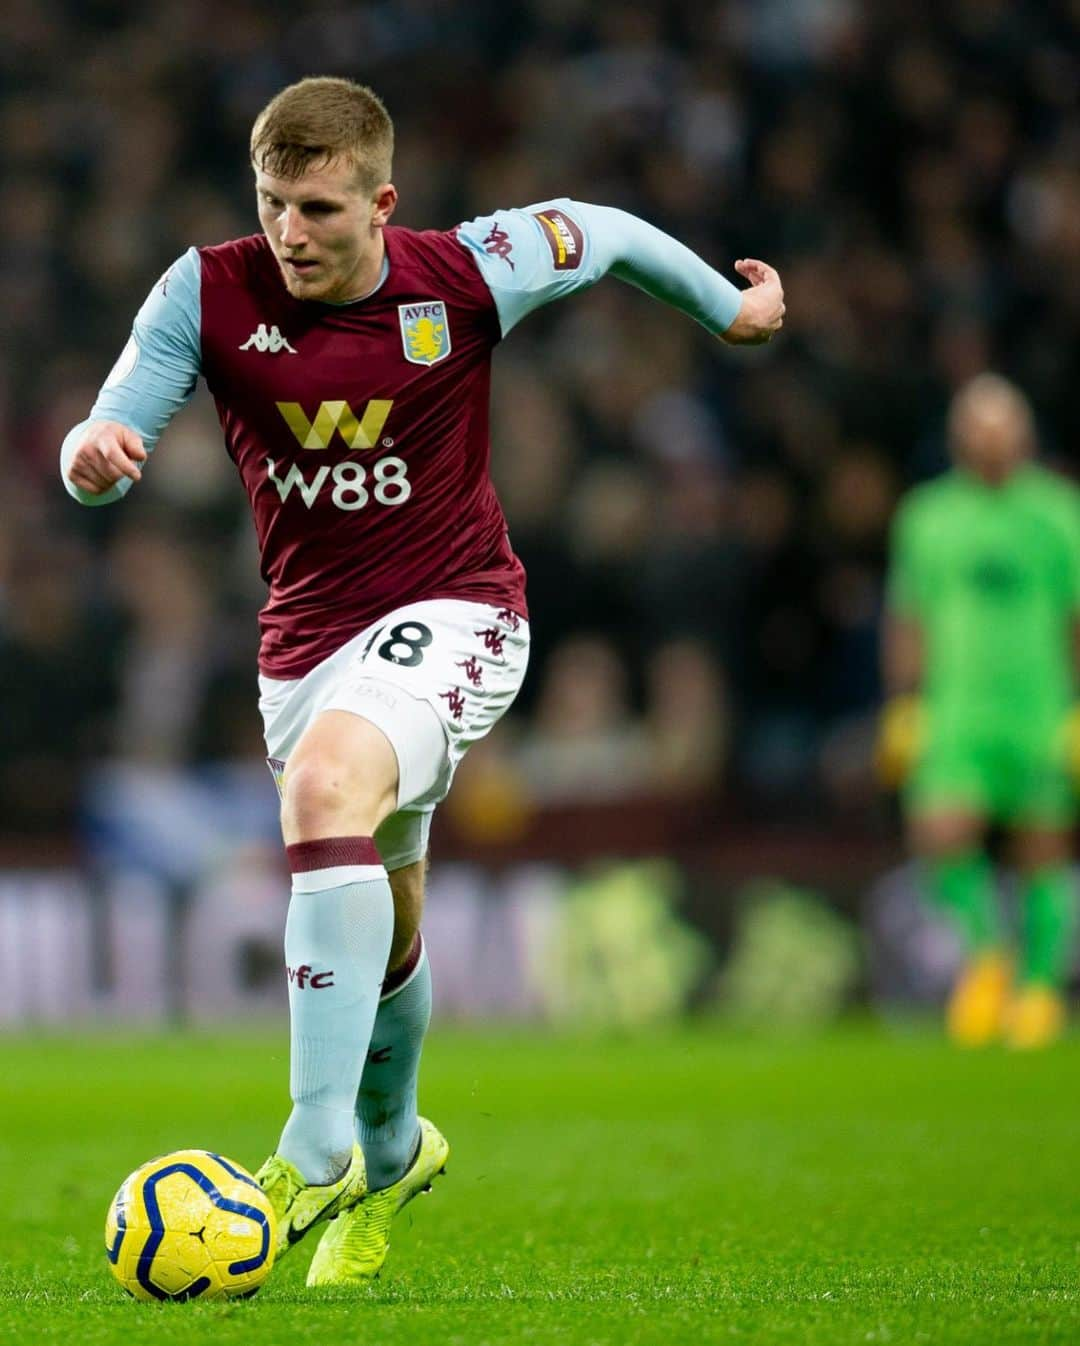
x: 360, y: 430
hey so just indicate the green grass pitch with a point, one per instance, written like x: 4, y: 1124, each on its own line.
x: 695, y: 1186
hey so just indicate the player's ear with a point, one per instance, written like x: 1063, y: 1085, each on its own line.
x: 383, y: 203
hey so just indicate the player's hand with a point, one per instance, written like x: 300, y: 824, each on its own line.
x: 761, y: 314
x: 901, y: 731
x: 108, y: 451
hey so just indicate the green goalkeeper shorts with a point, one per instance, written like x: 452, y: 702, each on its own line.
x: 1001, y: 779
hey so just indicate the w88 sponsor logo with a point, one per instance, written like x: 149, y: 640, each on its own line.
x: 350, y: 485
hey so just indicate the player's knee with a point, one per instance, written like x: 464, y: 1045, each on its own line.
x: 312, y: 798
x: 324, y: 796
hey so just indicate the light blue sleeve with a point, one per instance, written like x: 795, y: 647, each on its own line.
x: 156, y: 372
x: 534, y: 255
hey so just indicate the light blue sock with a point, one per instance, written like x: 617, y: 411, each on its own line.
x: 337, y: 941
x: 386, y: 1121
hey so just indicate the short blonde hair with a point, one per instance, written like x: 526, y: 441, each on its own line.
x: 309, y: 124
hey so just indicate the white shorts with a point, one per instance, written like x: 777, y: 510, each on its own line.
x: 434, y: 677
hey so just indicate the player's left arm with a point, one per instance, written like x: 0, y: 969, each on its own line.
x: 538, y: 254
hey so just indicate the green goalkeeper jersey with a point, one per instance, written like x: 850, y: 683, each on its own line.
x: 992, y: 576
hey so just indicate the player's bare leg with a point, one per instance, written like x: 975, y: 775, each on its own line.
x: 341, y: 778
x: 1036, y: 1014
x: 962, y: 885
x: 408, y: 886
x: 340, y: 783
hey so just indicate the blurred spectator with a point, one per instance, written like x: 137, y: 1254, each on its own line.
x: 584, y: 743
x: 167, y: 649
x: 57, y: 683
x: 687, y: 719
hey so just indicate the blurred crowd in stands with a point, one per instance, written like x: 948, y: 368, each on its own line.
x: 705, y: 530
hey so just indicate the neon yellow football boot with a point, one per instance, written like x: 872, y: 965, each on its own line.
x: 300, y: 1205
x: 354, y: 1248
x: 975, y: 1015
x: 1035, y: 1019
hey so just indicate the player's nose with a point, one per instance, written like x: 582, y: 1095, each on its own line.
x: 293, y: 234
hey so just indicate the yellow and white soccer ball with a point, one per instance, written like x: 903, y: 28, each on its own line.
x: 190, y: 1225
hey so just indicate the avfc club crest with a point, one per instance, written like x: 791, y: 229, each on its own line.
x: 425, y: 332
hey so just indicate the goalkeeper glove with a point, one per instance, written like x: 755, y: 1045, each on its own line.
x: 1071, y: 744
x: 901, y: 730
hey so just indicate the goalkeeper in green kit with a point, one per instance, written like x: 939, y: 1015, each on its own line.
x: 980, y: 659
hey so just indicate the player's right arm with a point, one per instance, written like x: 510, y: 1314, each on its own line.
x: 102, y: 457
x: 101, y: 454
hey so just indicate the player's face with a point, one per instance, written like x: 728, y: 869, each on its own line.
x: 992, y: 435
x: 325, y: 230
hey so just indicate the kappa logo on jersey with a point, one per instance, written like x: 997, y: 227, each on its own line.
x: 425, y: 332
x: 473, y: 670
x: 455, y: 702
x: 317, y: 434
x: 499, y: 244
x: 269, y: 342
x: 493, y: 640
x: 564, y: 238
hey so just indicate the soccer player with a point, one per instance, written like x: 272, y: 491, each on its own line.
x: 350, y: 360
x: 980, y: 657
